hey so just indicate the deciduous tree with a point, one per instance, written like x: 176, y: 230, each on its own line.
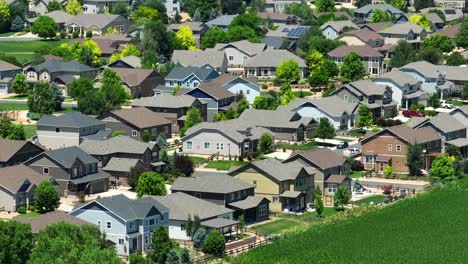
x: 54, y: 5
x: 288, y: 70
x: 214, y: 244
x: 455, y: 59
x: 421, y: 20
x: 342, y: 197
x: 184, y: 164
x: 404, y: 54
x: 441, y: 42
x: 325, y: 129
x: 462, y: 36
x: 150, y: 183
x: 17, y: 132
x: 161, y: 244
x: 113, y: 90
x: 45, y: 27
x: 325, y: 5
x: 42, y: 99
x: 20, y: 86
x: 129, y: 50
x: 442, y: 168
x: 365, y: 118
x: 185, y: 38
x: 16, y: 242
x: 46, y: 197
x: 352, y: 67
x: 315, y: 60
x: 193, y: 117
x: 414, y: 158
x: 432, y: 55
x: 380, y: 15
x: 74, y: 7
x: 266, y: 144
x: 92, y: 102
x: 80, y: 86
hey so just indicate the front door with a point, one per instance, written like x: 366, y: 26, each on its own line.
x: 134, y: 244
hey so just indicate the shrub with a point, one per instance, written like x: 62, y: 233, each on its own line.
x: 31, y: 208
x: 357, y: 165
x: 199, y: 238
x: 21, y: 209
x: 89, y: 34
x: 75, y: 34
x: 214, y: 244
x: 388, y: 170
x: 264, y: 86
x: 387, y: 189
x: 63, y: 34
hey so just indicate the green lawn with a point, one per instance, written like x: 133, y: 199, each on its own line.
x: 7, y: 34
x: 299, y: 146
x: 30, y: 131
x: 276, y: 227
x: 17, y: 97
x: 357, y: 133
x: 24, y: 50
x: 357, y: 174
x: 304, y: 93
x: 10, y: 106
x: 375, y: 199
x: 224, y: 164
x: 196, y: 160
x: 30, y: 214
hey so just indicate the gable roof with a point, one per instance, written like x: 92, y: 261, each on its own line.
x: 40, y: 222
x: 398, y: 77
x: 336, y: 13
x: 433, y: 71
x: 244, y: 45
x: 180, y: 73
x: 224, y: 20
x: 274, y: 118
x: 210, y: 182
x: 338, y: 26
x: 364, y: 34
x: 61, y: 66
x: 134, y: 77
x: 193, y: 25
x: 434, y: 18
x: 87, y: 20
x: 58, y: 16
x: 131, y: 60
x: 377, y: 26
x: 408, y: 134
x: 332, y: 105
x: 449, y: 31
x: 323, y: 158
x: 13, y: 177
x: 166, y: 101
x: 199, y: 58
x: 386, y: 7
x: 6, y: 66
x: 121, y: 164
x: 367, y: 87
x: 67, y: 156
x: 119, y: 144
x: 402, y: 28
x: 271, y: 58
x: 442, y: 121
x: 288, y: 31
x: 364, y: 51
x: 141, y: 117
x: 278, y: 170
x: 8, y: 148
x: 72, y: 119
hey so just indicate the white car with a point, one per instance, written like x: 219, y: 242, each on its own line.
x: 444, y: 104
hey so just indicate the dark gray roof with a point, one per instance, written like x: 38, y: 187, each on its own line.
x: 166, y: 101
x: 100, y: 135
x: 210, y: 182
x: 402, y: 28
x: 275, y: 42
x: 120, y: 144
x: 367, y: 87
x: 290, y: 194
x: 243, y: 45
x: 69, y: 119
x: 61, y: 66
x: 323, y: 158
x: 180, y: 73
x: 40, y: 222
x: 67, y: 156
x: 430, y: 70
x: 199, y: 58
x: 100, y: 175
x: 120, y: 164
x: 219, y: 222
x: 222, y: 20
x: 443, y: 121
x: 247, y: 203
x: 386, y: 7
x: 282, y: 171
x: 273, y: 118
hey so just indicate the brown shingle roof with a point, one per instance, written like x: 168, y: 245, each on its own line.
x: 141, y: 117
x: 322, y: 157
x: 6, y: 66
x: 13, y: 177
x: 133, y: 77
x: 335, y: 178
x: 216, y: 87
x: 364, y: 51
x: 8, y: 148
x: 42, y: 221
x: 408, y: 134
x: 450, y: 32
x: 364, y: 34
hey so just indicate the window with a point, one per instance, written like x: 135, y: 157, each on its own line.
x: 146, y: 239
x: 154, y: 131
x: 99, y: 223
x: 255, y: 182
x: 231, y: 58
x: 238, y: 195
x: 174, y: 122
x: 207, y: 145
x: 346, y: 98
x: 398, y: 148
x: 389, y: 147
x: 189, y: 144
x: 263, y: 210
x: 45, y: 170
x: 162, y: 217
x: 275, y: 199
x: 121, y: 241
x: 57, y: 129
x: 132, y: 224
x: 109, y: 225
x: 246, y: 146
x: 198, y: 195
x: 247, y: 91
x: 332, y: 188
x: 151, y: 222
x: 232, y: 196
x: 369, y: 159
x: 134, y: 133
x: 182, y: 227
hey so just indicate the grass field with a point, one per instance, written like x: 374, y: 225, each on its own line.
x: 430, y: 228
x: 224, y: 164
x: 30, y: 131
x: 196, y: 160
x: 375, y: 199
x: 17, y: 97
x: 30, y: 214
x: 24, y: 50
x: 356, y: 174
x: 10, y: 106
x: 304, y: 93
x: 307, y: 146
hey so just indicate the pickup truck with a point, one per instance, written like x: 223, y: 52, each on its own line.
x: 412, y: 113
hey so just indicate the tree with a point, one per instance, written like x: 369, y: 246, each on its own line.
x: 137, y: 258
x: 213, y: 36
x: 288, y: 70
x: 325, y: 129
x: 404, y: 54
x: 185, y: 37
x: 5, y: 126
x: 17, y: 24
x: 185, y: 257
x: 241, y: 33
x: 163, y: 156
x: 20, y: 86
x: 54, y: 5
x: 352, y: 68
x: 432, y: 55
x: 80, y: 86
x: 184, y: 164
x: 318, y: 202
x: 145, y: 136
x: 214, y: 244
x: 414, y: 158
x: 74, y: 7
x: 172, y: 257
x: 5, y: 15
x: 42, y: 99
x: 258, y: 5
x: 462, y: 36
x: 442, y: 168
x: 199, y: 238
x: 120, y: 8
x: 231, y: 7
x: 365, y: 118
x: 203, y: 8
x: 158, y: 39
x: 266, y: 144
x: 150, y: 183
x: 193, y: 117
x: 46, y: 197
x: 361, y: 3
x: 113, y: 90
x: 315, y: 60
x: 242, y: 105
x: 16, y: 242
x: 421, y: 20
x: 287, y: 94
x: 434, y: 100
x: 143, y: 14
x: 129, y: 50
x: 17, y: 132
x: 134, y: 175
x: 189, y: 226
x: 92, y: 102
x: 388, y: 171
x: 453, y: 151
x: 380, y: 15
x: 421, y: 4
x: 324, y: 5
x: 161, y: 244
x: 241, y: 223
x: 441, y: 42
x: 342, y: 197
x: 266, y: 103
x: 455, y: 59
x: 249, y: 20
x: 45, y: 27
x: 94, y: 49
x: 400, y: 4
x: 329, y: 68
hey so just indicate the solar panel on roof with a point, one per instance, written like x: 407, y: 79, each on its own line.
x: 450, y: 12
x: 285, y: 30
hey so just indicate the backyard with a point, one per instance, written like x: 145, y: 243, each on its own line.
x: 299, y: 146
x: 225, y: 164
x: 374, y: 199
x: 25, y: 51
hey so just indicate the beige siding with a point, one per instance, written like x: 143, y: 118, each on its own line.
x: 55, y: 140
x: 351, y: 40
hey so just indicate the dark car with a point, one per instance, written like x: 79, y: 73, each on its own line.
x: 342, y: 145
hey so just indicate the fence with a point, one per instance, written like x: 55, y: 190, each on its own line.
x: 211, y: 157
x: 237, y: 250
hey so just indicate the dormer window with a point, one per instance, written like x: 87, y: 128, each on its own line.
x: 57, y: 129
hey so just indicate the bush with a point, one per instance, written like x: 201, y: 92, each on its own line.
x: 21, y: 209
x: 89, y: 34
x: 63, y: 34
x: 31, y: 208
x: 199, y: 238
x: 214, y: 244
x: 251, y: 155
x: 75, y: 34
x: 357, y: 165
x: 264, y: 86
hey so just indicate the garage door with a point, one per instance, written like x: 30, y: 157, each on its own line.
x: 3, y: 89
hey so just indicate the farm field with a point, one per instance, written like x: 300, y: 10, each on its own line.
x: 430, y: 228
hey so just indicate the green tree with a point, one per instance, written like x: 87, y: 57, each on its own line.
x: 203, y: 8
x: 324, y: 5
x: 324, y: 129
x: 46, y: 197
x: 196, y: 224
x: 145, y: 136
x: 5, y: 15
x: 352, y: 68
x: 288, y: 70
x: 17, y: 24
x: 442, y: 168
x: 120, y: 8
x: 266, y: 103
x: 184, y: 164
x: 137, y: 258
x: 421, y: 20
x: 388, y: 170
x: 185, y: 256
x: 199, y: 238
x: 150, y: 183
x: 172, y: 257
x: 380, y: 15
x: 129, y: 50
x: 404, y: 54
x: 465, y: 91
x: 241, y: 223
x: 113, y: 90
x: 242, y: 105
x: 414, y: 158
x: 134, y: 175
x: 213, y: 36
x: 54, y: 5
x: 315, y: 60
x: 318, y: 78
x: 5, y: 126
x: 232, y: 7
x: 80, y: 86
x: 214, y: 244
x: 441, y: 42
x: 361, y: 3
x: 257, y: 6
x: 143, y: 14
x: 287, y: 94
x: 318, y: 202
x: 158, y: 39
x: 189, y: 226
x: 421, y: 4
x: 266, y: 144
x: 455, y: 59
x: 432, y: 55
x: 453, y: 151
x: 186, y: 39
x: 161, y: 244
x: 461, y: 38
x: 74, y: 7
x: 20, y: 86
x: 17, y: 132
x: 365, y: 118
x: 434, y: 100
x: 399, y: 4
x: 16, y: 242
x: 42, y: 99
x: 249, y: 20
x: 45, y: 27
x: 342, y: 197
x: 193, y: 117
x: 92, y: 102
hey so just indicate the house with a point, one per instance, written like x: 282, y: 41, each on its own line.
x: 362, y: 37
x: 406, y: 89
x: 109, y: 44
x: 98, y: 24
x: 17, y: 186
x: 173, y: 108
x: 331, y: 170
x: 337, y: 14
x: 364, y: 14
x: 229, y: 138
x: 37, y: 8
x: 136, y: 122
x: 247, y: 87
x: 291, y: 32
x: 372, y: 60
x: 447, y: 126
x: 279, y: 43
x: 239, y: 52
x: 333, y: 29
x: 67, y: 130
x: 40, y: 222
x: 201, y: 58
x: 341, y: 114
x: 222, y: 21
x: 222, y: 189
x: 8, y: 72
x: 181, y: 206
x: 456, y: 4
x: 376, y: 27
x: 60, y: 72
x: 263, y: 66
x: 172, y: 8
x: 280, y: 18
x: 286, y: 125
x: 279, y: 6
x: 100, y: 6
x: 59, y: 17
x: 129, y: 62
x: 409, y: 32
x: 139, y: 82
x: 449, y: 31
x: 14, y: 152
x: 127, y: 223
x: 118, y: 155
x: 451, y: 14
x: 377, y: 97
x: 436, y: 22
x: 74, y: 170
x: 189, y: 77
x: 288, y: 186
x: 198, y: 29
x: 390, y: 145
x: 461, y: 114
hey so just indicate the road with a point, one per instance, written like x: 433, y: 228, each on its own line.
x: 15, y: 101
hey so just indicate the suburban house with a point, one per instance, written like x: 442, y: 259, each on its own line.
x: 8, y: 72
x: 279, y: 6
x: 189, y: 77
x: 288, y: 186
x: 173, y: 108
x: 108, y: 43
x: 98, y: 6
x: 362, y: 36
x: 134, y: 121
x: 127, y: 223
x: 377, y: 97
x: 333, y: 29
x: 285, y: 125
x: 279, y: 43
x: 461, y: 114
x: 341, y: 114
x: 38, y: 7
x: 75, y: 170
x: 376, y: 27
x: 449, y: 31
x: 409, y: 32
x: 364, y: 14
x: 198, y: 29
x: 226, y: 138
x: 436, y: 22
x: 60, y: 17
x: 60, y: 72
x: 222, y: 189
x: 389, y: 147
x: 331, y: 170
x: 372, y: 59
x: 40, y: 222
x: 98, y: 24
x: 280, y: 18
x: 139, y: 82
x: 17, y: 186
x: 406, y: 89
x: 291, y: 32
x: 129, y: 62
x: 450, y: 13
x: 263, y: 66
x: 201, y: 58
x: 181, y: 206
x: 118, y: 155
x: 222, y: 21
x: 13, y: 152
x: 456, y: 4
x: 247, y: 87
x: 68, y: 129
x: 239, y: 52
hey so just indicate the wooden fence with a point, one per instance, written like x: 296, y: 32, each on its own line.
x: 207, y: 258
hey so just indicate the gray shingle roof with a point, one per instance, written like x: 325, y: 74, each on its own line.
x: 271, y: 58
x: 194, y: 26
x: 402, y: 28
x: 100, y: 175
x: 219, y: 222
x: 6, y: 66
x: 247, y: 203
x: 120, y: 144
x: 364, y: 34
x: 180, y: 73
x: 410, y: 135
x: 120, y: 164
x: 210, y: 182
x: 364, y: 51
x: 225, y: 20
x: 445, y: 122
x: 8, y: 148
x: 273, y: 118
x: 398, y: 77
x: 87, y: 20
x: 430, y: 70
x: 133, y: 61
x: 40, y: 222
x: 281, y: 171
x: 182, y: 205
x: 367, y: 87
x: 338, y: 25
x: 165, y: 101
x: 69, y: 119
x: 199, y: 58
x: 141, y: 117
x: 243, y: 45
x: 67, y: 156
x: 335, y: 178
x: 377, y: 26
x: 61, y: 66
x: 58, y: 16
x: 13, y: 177
x: 386, y: 7
x: 332, y: 105
x: 324, y: 158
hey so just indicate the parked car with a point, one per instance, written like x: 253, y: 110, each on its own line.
x: 351, y: 152
x: 445, y: 104
x: 412, y: 113
x: 342, y: 145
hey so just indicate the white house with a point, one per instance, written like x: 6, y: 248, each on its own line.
x: 239, y: 52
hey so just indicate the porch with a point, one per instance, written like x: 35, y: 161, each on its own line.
x: 89, y: 184
x: 253, y: 208
x: 293, y: 201
x: 222, y: 225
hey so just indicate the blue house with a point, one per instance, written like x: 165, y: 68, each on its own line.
x: 189, y: 77
x: 8, y: 72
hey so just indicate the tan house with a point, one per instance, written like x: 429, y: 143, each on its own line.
x: 289, y: 187
x: 389, y: 147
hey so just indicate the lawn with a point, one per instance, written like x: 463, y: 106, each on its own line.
x: 30, y: 214
x: 299, y: 146
x: 430, y: 228
x: 357, y: 174
x: 24, y: 50
x: 224, y: 164
x: 196, y: 160
x: 276, y: 227
x: 357, y: 133
x: 10, y: 106
x: 30, y: 131
x: 375, y: 199
x: 17, y: 97
x: 304, y: 93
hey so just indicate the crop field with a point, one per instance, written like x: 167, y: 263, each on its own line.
x: 431, y: 228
